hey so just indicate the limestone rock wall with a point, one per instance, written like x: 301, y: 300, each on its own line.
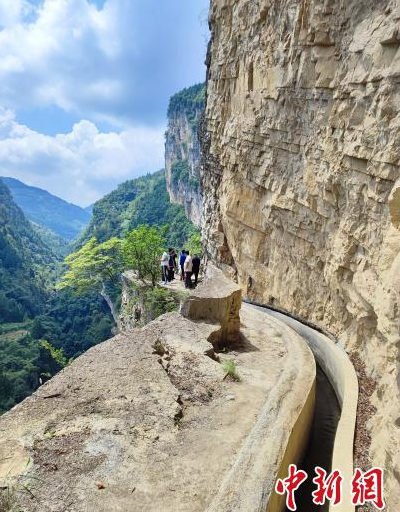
x: 182, y: 150
x: 301, y: 175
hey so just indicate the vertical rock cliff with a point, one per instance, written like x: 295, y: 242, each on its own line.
x: 301, y: 176
x: 182, y: 150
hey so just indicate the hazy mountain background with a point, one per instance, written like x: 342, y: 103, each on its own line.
x: 65, y: 219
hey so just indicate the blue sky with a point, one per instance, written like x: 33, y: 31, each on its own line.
x: 85, y: 84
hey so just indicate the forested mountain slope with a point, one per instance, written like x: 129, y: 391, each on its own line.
x: 30, y: 309
x: 65, y: 219
x: 26, y: 263
x: 143, y: 200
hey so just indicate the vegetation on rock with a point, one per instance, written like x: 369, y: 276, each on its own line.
x: 158, y: 301
x: 189, y: 101
x: 230, y: 369
x: 141, y: 250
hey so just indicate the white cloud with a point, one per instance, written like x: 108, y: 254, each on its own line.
x: 112, y: 63
x: 79, y: 166
x: 120, y: 62
x: 13, y: 12
x: 59, y: 56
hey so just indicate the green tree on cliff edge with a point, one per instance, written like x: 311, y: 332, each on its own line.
x: 142, y: 249
x: 95, y: 267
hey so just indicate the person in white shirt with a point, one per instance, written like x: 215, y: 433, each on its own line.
x: 188, y: 267
x: 164, y: 267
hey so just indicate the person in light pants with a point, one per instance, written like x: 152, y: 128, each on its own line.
x: 164, y: 267
x: 188, y: 267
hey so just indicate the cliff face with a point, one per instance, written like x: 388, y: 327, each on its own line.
x: 182, y: 150
x: 302, y: 179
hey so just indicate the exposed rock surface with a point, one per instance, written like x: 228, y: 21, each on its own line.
x: 217, y: 299
x: 135, y: 309
x: 146, y: 422
x: 182, y: 150
x: 301, y: 177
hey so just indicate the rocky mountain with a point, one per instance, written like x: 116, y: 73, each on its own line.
x: 26, y: 262
x: 143, y: 200
x: 65, y: 219
x: 182, y: 150
x: 301, y: 179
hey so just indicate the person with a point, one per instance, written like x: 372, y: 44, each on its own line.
x: 174, y: 256
x: 171, y: 266
x: 164, y: 267
x: 188, y: 267
x: 196, y: 268
x: 182, y: 259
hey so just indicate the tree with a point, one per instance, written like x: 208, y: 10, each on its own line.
x: 142, y: 249
x: 37, y: 330
x: 94, y: 267
x: 56, y: 353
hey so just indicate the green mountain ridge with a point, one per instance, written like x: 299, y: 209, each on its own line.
x: 65, y: 219
x: 26, y: 263
x: 143, y: 200
x: 30, y: 309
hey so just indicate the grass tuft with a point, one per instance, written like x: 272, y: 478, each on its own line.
x: 230, y: 368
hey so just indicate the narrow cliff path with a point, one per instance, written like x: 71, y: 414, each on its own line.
x: 336, y: 388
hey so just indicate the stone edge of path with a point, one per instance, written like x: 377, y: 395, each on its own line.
x: 340, y: 371
x: 278, y: 438
x: 218, y: 300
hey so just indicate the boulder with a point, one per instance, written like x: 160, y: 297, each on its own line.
x: 217, y: 300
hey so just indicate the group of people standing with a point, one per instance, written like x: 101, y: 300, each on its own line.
x: 189, y: 266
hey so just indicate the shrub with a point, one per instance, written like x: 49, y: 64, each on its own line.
x: 159, y: 301
x: 230, y: 368
x: 180, y: 172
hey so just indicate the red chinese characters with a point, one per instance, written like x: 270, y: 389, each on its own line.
x: 368, y: 487
x: 290, y: 484
x: 365, y: 487
x: 328, y: 487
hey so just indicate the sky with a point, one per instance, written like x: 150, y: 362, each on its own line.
x: 85, y: 85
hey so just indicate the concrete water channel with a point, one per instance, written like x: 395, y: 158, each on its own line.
x: 332, y: 433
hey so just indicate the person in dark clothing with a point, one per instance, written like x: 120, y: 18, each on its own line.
x: 171, y: 264
x: 182, y: 259
x: 196, y: 268
x: 174, y: 257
